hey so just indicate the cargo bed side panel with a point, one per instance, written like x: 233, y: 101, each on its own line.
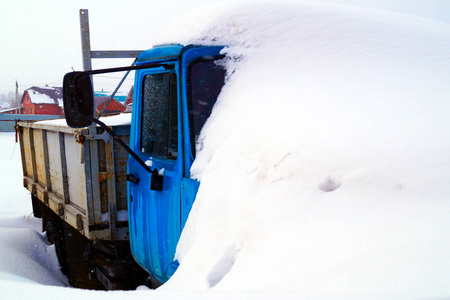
x: 75, y: 173
x: 39, y: 155
x: 55, y: 163
x: 28, y: 160
x: 120, y: 161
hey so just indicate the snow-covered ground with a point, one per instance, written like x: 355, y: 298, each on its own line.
x: 26, y: 256
x: 324, y: 167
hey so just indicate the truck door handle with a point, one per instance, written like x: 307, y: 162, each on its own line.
x: 132, y: 178
x: 157, y: 181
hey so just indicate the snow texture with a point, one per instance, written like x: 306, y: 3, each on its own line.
x: 38, y: 98
x: 27, y: 257
x: 117, y: 120
x: 324, y: 167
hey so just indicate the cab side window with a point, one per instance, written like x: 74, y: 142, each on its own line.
x: 206, y: 78
x: 159, y: 127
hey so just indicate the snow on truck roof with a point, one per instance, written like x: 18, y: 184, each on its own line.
x: 165, y: 51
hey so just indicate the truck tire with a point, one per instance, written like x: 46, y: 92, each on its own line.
x: 78, y: 272
x: 55, y: 235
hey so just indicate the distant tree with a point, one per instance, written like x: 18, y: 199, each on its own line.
x: 8, y: 99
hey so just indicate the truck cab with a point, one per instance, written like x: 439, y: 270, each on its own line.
x: 175, y: 90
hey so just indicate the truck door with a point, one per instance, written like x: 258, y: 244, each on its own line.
x: 154, y: 211
x: 171, y: 107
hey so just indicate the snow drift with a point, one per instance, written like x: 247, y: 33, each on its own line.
x: 324, y: 166
x: 26, y: 255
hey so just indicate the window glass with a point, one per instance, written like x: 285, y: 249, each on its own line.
x: 206, y: 78
x: 159, y: 127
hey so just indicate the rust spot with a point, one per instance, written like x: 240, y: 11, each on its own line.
x: 80, y: 138
x: 103, y: 176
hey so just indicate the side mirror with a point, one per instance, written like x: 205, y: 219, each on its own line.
x: 78, y: 99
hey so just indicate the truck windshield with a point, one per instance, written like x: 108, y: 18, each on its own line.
x: 206, y: 78
x: 159, y: 127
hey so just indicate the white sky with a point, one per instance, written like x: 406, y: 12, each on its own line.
x: 41, y: 39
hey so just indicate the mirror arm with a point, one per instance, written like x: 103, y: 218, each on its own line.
x: 119, y: 140
x: 167, y: 66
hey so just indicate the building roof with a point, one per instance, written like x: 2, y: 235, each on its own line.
x: 100, y: 100
x: 45, y: 95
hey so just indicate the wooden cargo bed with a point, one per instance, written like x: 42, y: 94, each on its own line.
x: 78, y: 174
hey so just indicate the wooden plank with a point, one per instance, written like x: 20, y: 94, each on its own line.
x: 39, y: 156
x: 33, y: 155
x: 54, y: 166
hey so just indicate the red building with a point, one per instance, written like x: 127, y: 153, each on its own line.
x: 114, y: 107
x: 42, y: 101
x: 49, y: 101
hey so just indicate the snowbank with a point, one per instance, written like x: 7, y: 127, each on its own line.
x: 325, y: 164
x: 27, y: 257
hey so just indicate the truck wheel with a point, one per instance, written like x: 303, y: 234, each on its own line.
x: 78, y: 272
x: 55, y: 235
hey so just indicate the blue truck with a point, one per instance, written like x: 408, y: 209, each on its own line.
x: 115, y: 198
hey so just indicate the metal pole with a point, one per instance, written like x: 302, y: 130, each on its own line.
x: 88, y: 54
x: 17, y: 98
x: 86, y: 49
x: 85, y: 39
